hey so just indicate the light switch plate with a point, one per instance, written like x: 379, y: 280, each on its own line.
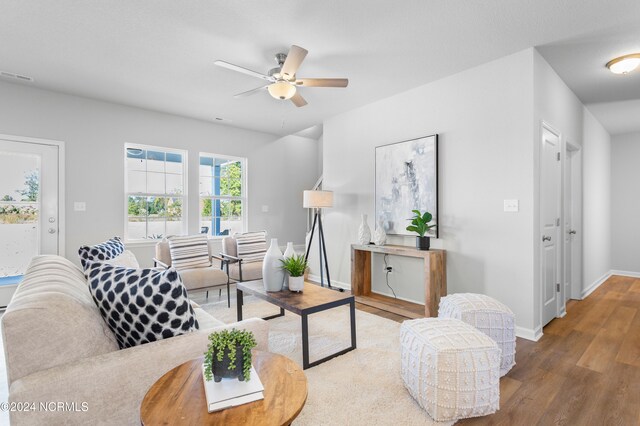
x: 265, y: 209
x: 79, y: 206
x: 511, y: 206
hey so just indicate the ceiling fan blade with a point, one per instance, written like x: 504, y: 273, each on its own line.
x: 298, y: 100
x: 250, y: 92
x: 243, y: 70
x: 294, y: 58
x: 322, y: 82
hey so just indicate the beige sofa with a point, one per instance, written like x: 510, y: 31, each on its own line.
x: 58, y: 349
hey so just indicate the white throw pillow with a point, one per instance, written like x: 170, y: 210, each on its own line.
x: 126, y: 259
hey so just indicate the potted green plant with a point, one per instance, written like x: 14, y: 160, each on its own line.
x: 229, y: 355
x: 420, y: 225
x: 295, y: 267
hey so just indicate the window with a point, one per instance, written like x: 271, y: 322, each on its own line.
x: 223, y: 194
x: 155, y: 189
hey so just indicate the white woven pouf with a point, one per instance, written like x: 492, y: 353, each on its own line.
x: 450, y: 368
x: 488, y: 315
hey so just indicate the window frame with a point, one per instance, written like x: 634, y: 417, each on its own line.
x: 184, y: 196
x: 244, y: 198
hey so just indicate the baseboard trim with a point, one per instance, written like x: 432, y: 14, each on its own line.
x: 529, y: 333
x: 587, y: 291
x: 625, y: 273
x: 316, y: 279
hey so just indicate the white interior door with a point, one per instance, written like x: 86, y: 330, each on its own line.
x: 550, y: 184
x: 29, y: 205
x: 573, y: 223
x: 568, y: 225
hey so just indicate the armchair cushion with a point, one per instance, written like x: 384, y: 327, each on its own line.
x: 197, y: 278
x: 100, y: 252
x: 191, y: 251
x: 251, y: 246
x: 230, y: 246
x: 250, y: 271
x: 163, y: 253
x: 141, y: 305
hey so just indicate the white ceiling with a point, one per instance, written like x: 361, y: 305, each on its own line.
x: 159, y: 54
x: 580, y: 62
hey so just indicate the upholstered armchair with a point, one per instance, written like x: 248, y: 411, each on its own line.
x: 242, y: 266
x: 196, y: 278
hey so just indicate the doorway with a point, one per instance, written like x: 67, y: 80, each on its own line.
x: 30, y: 206
x: 550, y: 204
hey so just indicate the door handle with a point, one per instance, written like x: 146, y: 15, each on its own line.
x: 545, y: 238
x: 572, y: 231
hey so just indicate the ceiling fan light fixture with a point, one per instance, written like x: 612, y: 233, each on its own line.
x: 624, y: 64
x: 282, y: 90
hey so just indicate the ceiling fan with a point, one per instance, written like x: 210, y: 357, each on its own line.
x: 282, y: 81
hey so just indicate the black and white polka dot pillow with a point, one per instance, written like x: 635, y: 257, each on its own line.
x: 141, y: 305
x: 100, y: 252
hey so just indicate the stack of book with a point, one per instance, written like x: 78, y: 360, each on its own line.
x: 232, y: 392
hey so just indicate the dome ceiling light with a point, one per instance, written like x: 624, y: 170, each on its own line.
x: 282, y: 90
x: 624, y: 64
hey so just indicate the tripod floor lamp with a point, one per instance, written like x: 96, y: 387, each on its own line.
x: 318, y: 200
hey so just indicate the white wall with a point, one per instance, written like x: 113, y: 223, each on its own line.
x: 483, y: 116
x: 596, y: 203
x: 625, y: 203
x: 559, y: 107
x: 94, y: 133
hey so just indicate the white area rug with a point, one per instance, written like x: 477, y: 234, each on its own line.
x: 358, y: 388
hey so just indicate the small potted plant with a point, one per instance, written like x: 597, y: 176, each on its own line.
x: 229, y: 355
x: 420, y: 225
x: 295, y: 267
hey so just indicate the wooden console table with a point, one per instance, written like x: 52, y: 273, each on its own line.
x: 435, y: 279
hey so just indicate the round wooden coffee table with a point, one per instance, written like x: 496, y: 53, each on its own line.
x: 178, y: 398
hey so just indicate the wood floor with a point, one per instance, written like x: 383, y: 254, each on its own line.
x: 585, y: 370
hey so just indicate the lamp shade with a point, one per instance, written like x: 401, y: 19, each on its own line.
x: 317, y: 199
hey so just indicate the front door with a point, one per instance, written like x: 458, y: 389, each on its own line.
x: 550, y: 222
x: 29, y: 210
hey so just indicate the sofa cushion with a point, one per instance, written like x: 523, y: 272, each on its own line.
x: 100, y: 252
x: 191, y: 251
x: 206, y: 321
x: 251, y: 246
x: 52, y: 319
x: 141, y: 305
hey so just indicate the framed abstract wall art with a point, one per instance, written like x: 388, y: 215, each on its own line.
x: 406, y: 180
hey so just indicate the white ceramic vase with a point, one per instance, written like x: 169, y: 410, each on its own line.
x: 272, y: 272
x: 364, y: 232
x: 379, y: 236
x: 288, y: 253
x: 296, y: 283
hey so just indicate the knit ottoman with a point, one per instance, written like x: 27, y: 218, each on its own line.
x: 450, y: 368
x: 487, y: 315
